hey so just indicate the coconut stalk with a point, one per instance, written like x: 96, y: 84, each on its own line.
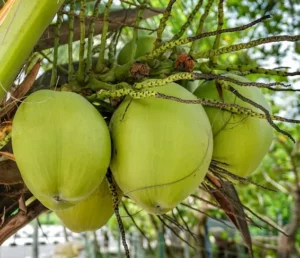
x: 20, y: 29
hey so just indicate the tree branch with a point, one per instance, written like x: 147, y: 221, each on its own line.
x: 13, y: 224
x: 117, y: 19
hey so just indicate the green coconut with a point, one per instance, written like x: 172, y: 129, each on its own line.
x: 62, y: 147
x: 144, y: 46
x: 239, y: 141
x: 91, y: 213
x: 191, y: 85
x: 161, y: 149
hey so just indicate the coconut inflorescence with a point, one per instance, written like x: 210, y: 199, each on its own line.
x: 240, y: 142
x: 161, y: 149
x: 62, y: 147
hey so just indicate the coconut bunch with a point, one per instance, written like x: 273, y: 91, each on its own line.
x: 157, y: 150
x: 161, y: 151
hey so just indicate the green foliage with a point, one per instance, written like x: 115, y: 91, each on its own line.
x: 49, y: 218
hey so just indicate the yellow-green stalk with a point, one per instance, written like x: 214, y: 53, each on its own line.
x: 19, y: 32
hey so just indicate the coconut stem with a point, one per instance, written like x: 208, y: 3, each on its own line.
x: 59, y: 67
x: 201, y: 23
x: 70, y: 40
x: 220, y: 26
x: 233, y: 48
x: 80, y: 73
x: 91, y: 37
x: 189, y: 20
x: 139, y: 93
x: 194, y: 76
x: 138, y: 228
x: 175, y: 233
x: 233, y: 108
x: 103, y: 94
x: 267, y: 113
x: 113, y: 47
x: 115, y: 197
x: 254, y: 69
x: 55, y: 50
x: 212, y: 190
x: 163, y: 23
x: 135, y: 33
x: 100, y: 63
x: 169, y: 45
x: 185, y: 223
x: 218, y: 171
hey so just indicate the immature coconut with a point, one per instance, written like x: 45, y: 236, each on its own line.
x: 161, y: 148
x: 144, y: 46
x: 62, y: 147
x: 239, y: 141
x: 91, y: 213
